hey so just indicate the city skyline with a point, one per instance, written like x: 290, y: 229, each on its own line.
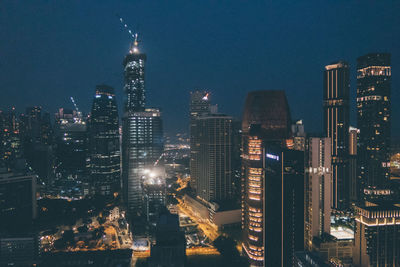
x: 257, y: 134
x: 254, y: 41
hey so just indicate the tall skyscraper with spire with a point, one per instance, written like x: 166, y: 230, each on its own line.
x: 135, y: 94
x: 336, y: 126
x: 142, y: 133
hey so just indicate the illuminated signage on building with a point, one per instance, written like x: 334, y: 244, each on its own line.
x: 272, y: 156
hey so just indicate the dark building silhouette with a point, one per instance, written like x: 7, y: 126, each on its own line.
x: 101, y: 258
x: 200, y: 105
x: 21, y: 249
x: 17, y: 201
x: 269, y: 109
x: 72, y: 144
x: 170, y: 247
x: 336, y: 126
x: 273, y: 183
x: 214, y: 157
x: 374, y: 119
x: 104, y: 142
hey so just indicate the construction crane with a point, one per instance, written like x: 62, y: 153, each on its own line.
x: 76, y: 108
x: 135, y: 36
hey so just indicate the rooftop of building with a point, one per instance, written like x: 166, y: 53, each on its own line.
x: 373, y: 59
x: 269, y: 109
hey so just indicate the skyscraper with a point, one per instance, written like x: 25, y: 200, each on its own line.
x: 272, y: 182
x: 273, y: 221
x: 374, y: 119
x: 135, y: 94
x: 270, y: 110
x: 18, y: 205
x: 72, y: 144
x: 199, y: 105
x: 317, y: 210
x: 354, y: 189
x: 142, y: 146
x: 336, y: 125
x: 142, y: 133
x: 377, y: 235
x: 214, y: 160
x: 104, y: 142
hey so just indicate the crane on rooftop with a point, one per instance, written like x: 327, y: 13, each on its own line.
x: 79, y: 114
x: 135, y: 36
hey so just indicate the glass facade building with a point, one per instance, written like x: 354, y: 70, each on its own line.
x: 135, y: 94
x: 142, y: 146
x: 374, y: 119
x: 200, y: 105
x: 214, y: 157
x: 104, y: 142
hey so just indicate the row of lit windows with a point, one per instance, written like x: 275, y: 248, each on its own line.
x: 370, y: 98
x: 374, y: 71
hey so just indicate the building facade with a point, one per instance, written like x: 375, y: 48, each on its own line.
x: 72, y: 144
x: 142, y: 148
x: 374, y: 119
x: 377, y: 236
x: 142, y: 132
x: 134, y: 70
x: 317, y: 209
x: 214, y: 157
x: 104, y: 138
x: 200, y: 105
x: 336, y: 125
x: 272, y: 183
x: 18, y: 205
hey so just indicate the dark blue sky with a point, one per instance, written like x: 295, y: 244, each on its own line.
x: 51, y: 50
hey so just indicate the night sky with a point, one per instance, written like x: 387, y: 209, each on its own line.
x: 51, y: 50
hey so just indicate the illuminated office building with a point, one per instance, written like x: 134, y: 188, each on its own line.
x: 273, y: 183
x: 336, y: 125
x: 377, y: 235
x: 104, y: 142
x: 317, y: 189
x: 374, y: 119
x: 199, y: 106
